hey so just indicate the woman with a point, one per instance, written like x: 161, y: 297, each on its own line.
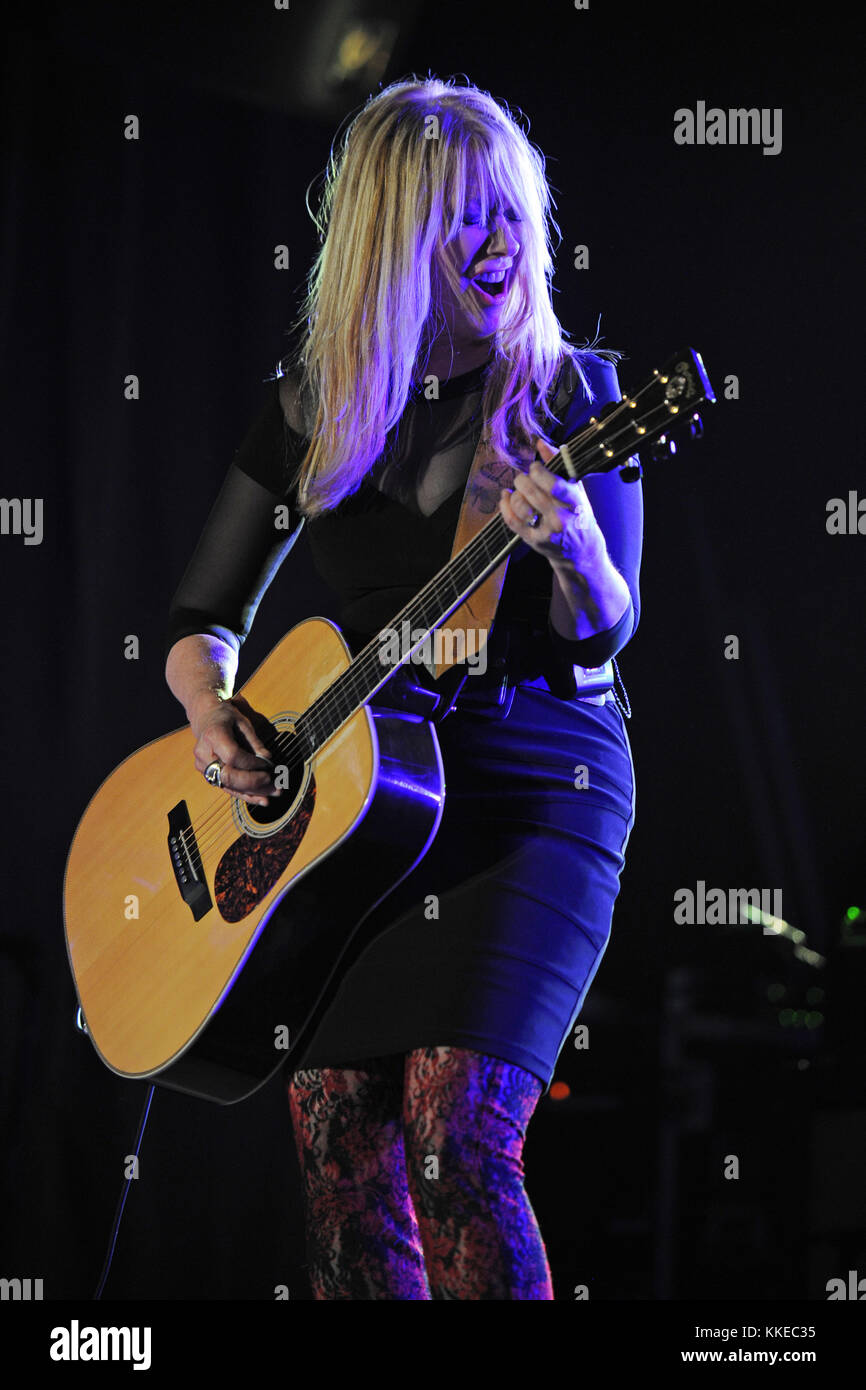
x: 411, y: 1102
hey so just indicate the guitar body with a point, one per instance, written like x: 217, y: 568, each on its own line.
x: 206, y: 937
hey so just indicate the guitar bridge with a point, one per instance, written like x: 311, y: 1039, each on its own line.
x: 186, y: 862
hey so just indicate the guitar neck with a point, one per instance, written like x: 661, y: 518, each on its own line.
x: 606, y: 442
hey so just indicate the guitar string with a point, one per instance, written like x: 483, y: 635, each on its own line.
x: 330, y: 698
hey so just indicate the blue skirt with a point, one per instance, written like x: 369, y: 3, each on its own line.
x: 493, y: 939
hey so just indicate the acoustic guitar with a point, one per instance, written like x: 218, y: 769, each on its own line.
x: 186, y: 973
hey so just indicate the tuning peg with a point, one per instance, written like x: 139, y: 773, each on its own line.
x: 632, y: 471
x: 662, y: 449
x: 696, y: 426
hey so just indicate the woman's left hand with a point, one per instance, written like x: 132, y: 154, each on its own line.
x: 567, y: 533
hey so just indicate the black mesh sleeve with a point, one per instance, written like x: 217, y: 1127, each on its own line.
x: 618, y: 508
x: 250, y: 530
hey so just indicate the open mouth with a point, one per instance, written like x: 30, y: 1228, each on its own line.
x: 491, y: 286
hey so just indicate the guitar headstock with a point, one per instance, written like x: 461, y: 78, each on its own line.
x: 668, y: 398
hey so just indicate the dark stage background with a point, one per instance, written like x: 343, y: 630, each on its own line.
x: 156, y: 257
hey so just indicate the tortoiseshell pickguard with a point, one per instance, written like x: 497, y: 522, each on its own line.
x: 249, y: 868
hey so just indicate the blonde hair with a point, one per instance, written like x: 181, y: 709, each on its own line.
x: 394, y: 197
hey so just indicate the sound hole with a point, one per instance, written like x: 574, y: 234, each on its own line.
x: 286, y: 750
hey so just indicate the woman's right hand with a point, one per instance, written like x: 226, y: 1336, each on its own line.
x: 225, y: 732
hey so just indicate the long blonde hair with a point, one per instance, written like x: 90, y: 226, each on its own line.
x: 394, y: 197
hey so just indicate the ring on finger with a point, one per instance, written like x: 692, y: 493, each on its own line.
x: 213, y: 773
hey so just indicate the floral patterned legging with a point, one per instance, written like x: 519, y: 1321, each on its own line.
x: 413, y: 1178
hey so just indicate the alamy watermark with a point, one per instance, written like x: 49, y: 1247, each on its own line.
x: 22, y: 516
x: 704, y: 906
x: 737, y: 126
x: 846, y: 517
x: 76, y: 1343
x: 445, y: 645
x: 853, y: 1288
x: 20, y: 1290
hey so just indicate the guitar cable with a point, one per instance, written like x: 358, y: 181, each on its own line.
x: 122, y: 1202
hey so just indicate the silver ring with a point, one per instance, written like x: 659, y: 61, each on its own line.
x: 212, y: 773
x: 535, y: 520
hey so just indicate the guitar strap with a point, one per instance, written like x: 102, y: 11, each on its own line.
x: 465, y: 633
